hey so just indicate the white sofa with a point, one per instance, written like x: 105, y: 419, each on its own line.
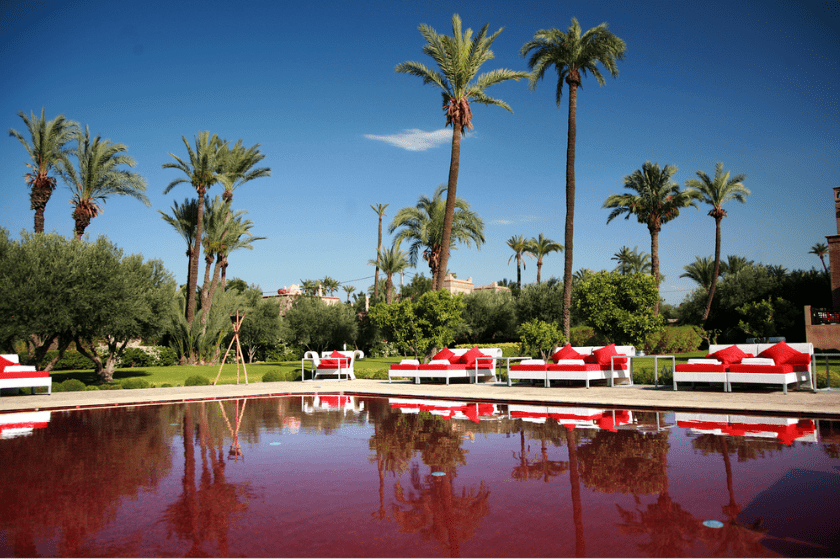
x: 484, y: 368
x: 325, y: 366
x: 17, y: 376
x: 709, y: 370
x: 577, y: 370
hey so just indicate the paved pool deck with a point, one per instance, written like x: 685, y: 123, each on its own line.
x: 822, y: 404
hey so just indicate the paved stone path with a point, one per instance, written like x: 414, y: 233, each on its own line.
x: 799, y: 403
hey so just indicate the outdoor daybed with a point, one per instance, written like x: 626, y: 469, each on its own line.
x: 12, y: 374
x: 581, y: 363
x: 456, y: 363
x: 337, y: 363
x: 572, y: 418
x: 786, y: 430
x: 779, y: 364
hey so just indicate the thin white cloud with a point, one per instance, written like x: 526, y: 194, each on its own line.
x: 414, y: 139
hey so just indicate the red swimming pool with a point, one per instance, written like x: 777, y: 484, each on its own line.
x: 337, y: 475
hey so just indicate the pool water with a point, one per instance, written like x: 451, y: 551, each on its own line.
x: 338, y: 475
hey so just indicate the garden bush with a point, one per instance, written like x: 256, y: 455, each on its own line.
x: 72, y: 360
x: 135, y: 384
x: 273, y: 375
x: 196, y: 380
x: 69, y: 385
x: 586, y: 336
x: 673, y: 340
x: 136, y: 357
x: 165, y: 385
x: 91, y: 388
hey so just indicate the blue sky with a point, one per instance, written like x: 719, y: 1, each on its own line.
x: 754, y: 84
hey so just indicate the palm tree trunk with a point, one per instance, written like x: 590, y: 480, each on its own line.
x: 518, y: 271
x: 654, y: 263
x: 570, y: 210
x: 376, y: 274
x: 193, y: 278
x: 539, y: 269
x: 454, y: 165
x: 39, y: 196
x: 574, y: 478
x: 207, y: 301
x: 822, y: 260
x: 715, y: 273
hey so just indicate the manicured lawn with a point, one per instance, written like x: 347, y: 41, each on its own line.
x: 368, y: 368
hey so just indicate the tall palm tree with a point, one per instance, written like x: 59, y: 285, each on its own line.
x: 624, y: 256
x: 47, y: 149
x: 380, y: 211
x: 459, y: 59
x: 391, y: 261
x: 658, y: 200
x: 349, y: 289
x: 423, y: 225
x: 203, y: 169
x: 639, y: 263
x: 717, y: 192
x: 734, y: 264
x: 330, y: 284
x: 573, y: 54
x: 701, y: 271
x: 821, y: 250
x: 540, y: 247
x: 238, y: 163
x: 99, y: 176
x: 184, y: 219
x: 520, y: 246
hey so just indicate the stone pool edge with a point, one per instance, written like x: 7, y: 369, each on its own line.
x: 824, y: 404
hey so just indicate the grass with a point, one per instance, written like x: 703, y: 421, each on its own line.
x: 368, y: 368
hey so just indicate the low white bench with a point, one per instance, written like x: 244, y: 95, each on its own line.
x: 16, y: 376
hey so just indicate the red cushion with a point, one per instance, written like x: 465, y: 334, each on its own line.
x: 23, y: 374
x: 470, y: 355
x: 343, y: 360
x: 730, y: 355
x: 405, y: 367
x: 799, y: 359
x: 445, y: 354
x: 4, y: 362
x: 567, y: 353
x: 602, y: 355
x: 779, y: 353
x: 703, y: 368
x: 328, y: 363
x: 747, y: 368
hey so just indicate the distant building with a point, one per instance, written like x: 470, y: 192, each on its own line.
x: 287, y: 297
x: 456, y: 286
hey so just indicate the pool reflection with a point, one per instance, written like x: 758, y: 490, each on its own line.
x: 342, y: 475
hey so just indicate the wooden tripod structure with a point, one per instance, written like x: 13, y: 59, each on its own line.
x: 237, y: 323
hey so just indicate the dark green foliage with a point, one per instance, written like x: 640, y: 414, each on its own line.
x: 620, y: 307
x: 135, y: 384
x: 489, y: 317
x: 282, y: 352
x: 586, y: 336
x: 71, y: 360
x: 196, y: 380
x: 751, y: 284
x: 418, y: 286
x: 543, y: 302
x: 317, y: 326
x: 91, y: 388
x: 68, y: 385
x: 260, y: 330
x: 671, y: 340
x: 135, y: 357
x: 165, y: 385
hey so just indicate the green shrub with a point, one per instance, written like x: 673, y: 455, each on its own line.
x: 72, y: 360
x: 135, y: 384
x: 110, y: 386
x: 91, y: 388
x: 165, y: 385
x: 538, y: 336
x: 586, y: 336
x: 273, y: 375
x: 69, y: 385
x: 672, y: 340
x: 135, y: 357
x: 645, y: 376
x: 196, y: 380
